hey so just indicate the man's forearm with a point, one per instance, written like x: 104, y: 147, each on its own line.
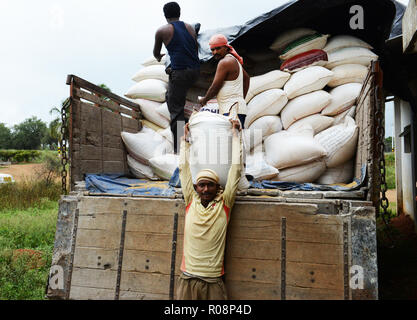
x: 211, y: 93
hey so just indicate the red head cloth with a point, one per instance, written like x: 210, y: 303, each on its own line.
x: 219, y: 40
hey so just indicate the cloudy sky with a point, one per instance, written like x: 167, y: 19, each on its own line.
x: 101, y: 41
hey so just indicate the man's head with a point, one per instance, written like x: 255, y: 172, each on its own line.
x: 219, y: 46
x: 172, y: 10
x: 207, y: 185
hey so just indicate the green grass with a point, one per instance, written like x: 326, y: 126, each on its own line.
x: 390, y: 170
x: 28, y: 213
x: 24, y: 273
x: 28, y: 194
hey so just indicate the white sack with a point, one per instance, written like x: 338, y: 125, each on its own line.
x: 257, y: 167
x: 340, y: 118
x: 152, y: 61
x: 288, y: 149
x: 316, y: 121
x: 267, y: 103
x: 162, y: 109
x: 345, y: 41
x: 260, y: 129
x: 165, y: 165
x: 313, y: 44
x: 343, y: 97
x: 302, y: 174
x: 140, y: 170
x: 146, y: 144
x: 303, y: 106
x: 150, y: 89
x: 211, y: 146
x: 307, y: 80
x: 339, y: 141
x: 149, y: 110
x: 339, y: 174
x: 156, y: 71
x: 285, y: 38
x: 348, y: 73
x: 274, y: 79
x: 355, y: 55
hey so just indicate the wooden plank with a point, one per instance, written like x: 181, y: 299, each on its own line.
x: 146, y: 262
x: 253, y: 229
x: 94, y: 278
x: 148, y: 242
x: 85, y: 293
x: 134, y: 295
x: 112, y: 123
x: 100, y: 221
x: 90, y: 166
x: 315, y: 233
x: 113, y: 141
x: 310, y: 275
x: 113, y: 155
x: 149, y: 223
x: 96, y: 99
x: 240, y: 290
x: 255, y: 249
x: 114, y: 167
x: 253, y: 270
x: 90, y: 119
x: 98, y: 238
x: 144, y: 282
x: 90, y: 152
x: 317, y: 253
x: 79, y: 82
x: 273, y: 211
x: 130, y: 123
x: 91, y: 205
x: 152, y: 206
x: 300, y: 293
x: 409, y: 27
x: 96, y: 258
x: 306, y: 232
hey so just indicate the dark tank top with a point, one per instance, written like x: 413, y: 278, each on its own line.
x: 182, y: 48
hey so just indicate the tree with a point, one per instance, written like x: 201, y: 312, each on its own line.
x: 5, y: 136
x: 29, y: 134
x: 53, y: 134
x: 388, y: 144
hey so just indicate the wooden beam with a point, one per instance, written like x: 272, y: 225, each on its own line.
x: 409, y: 26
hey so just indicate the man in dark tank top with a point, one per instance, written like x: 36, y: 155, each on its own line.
x: 180, y: 39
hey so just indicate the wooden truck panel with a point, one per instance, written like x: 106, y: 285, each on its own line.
x: 123, y: 249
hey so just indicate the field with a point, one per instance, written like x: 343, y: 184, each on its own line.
x: 28, y: 213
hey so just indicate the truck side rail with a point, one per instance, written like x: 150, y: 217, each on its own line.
x: 97, y: 118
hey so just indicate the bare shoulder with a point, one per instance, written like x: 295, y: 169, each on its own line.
x: 190, y: 29
x: 228, y: 62
x: 166, y: 28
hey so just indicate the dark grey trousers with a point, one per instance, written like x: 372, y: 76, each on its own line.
x: 179, y: 83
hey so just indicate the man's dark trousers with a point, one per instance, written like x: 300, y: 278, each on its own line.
x: 179, y: 83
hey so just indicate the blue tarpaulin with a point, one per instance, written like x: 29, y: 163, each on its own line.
x: 284, y: 185
x: 119, y: 184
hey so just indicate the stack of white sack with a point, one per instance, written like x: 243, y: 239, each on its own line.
x: 297, y: 155
x: 294, y: 115
x: 150, y: 153
x: 211, y: 146
x: 321, y: 97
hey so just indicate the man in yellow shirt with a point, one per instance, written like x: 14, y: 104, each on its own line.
x: 207, y: 214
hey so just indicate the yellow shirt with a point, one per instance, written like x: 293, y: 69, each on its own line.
x: 205, y: 228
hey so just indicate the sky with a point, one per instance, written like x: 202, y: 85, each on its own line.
x: 101, y: 41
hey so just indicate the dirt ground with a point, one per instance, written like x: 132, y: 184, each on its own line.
x: 22, y: 171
